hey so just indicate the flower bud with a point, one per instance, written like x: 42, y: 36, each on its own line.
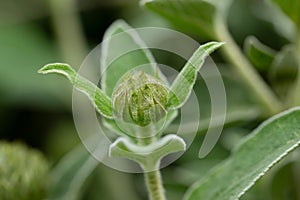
x: 24, y: 172
x: 140, y: 99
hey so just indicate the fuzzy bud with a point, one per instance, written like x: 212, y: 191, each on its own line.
x: 140, y: 99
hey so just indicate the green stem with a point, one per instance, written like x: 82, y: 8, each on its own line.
x: 154, y: 185
x: 68, y: 30
x: 265, y: 96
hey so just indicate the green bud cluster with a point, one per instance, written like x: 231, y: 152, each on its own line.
x: 23, y: 173
x: 140, y: 99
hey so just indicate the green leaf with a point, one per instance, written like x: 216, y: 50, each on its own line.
x: 284, y: 182
x: 291, y: 8
x: 241, y: 106
x: 193, y: 16
x: 147, y: 156
x: 190, y: 15
x: 185, y: 80
x: 101, y: 102
x: 283, y: 71
x: 122, y: 51
x: 260, y: 55
x: 251, y: 159
x: 70, y: 173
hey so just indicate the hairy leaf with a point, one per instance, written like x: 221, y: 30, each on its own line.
x: 147, y: 156
x: 251, y: 159
x: 185, y: 80
x: 123, y: 50
x: 101, y: 102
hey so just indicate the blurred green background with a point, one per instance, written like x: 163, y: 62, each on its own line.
x: 36, y: 110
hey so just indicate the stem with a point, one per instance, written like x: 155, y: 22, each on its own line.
x: 68, y: 30
x: 265, y: 96
x: 154, y: 185
x: 113, y: 179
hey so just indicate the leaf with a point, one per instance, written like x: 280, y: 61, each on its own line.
x: 101, y: 102
x: 24, y: 48
x: 281, y: 23
x: 70, y: 174
x: 185, y: 80
x: 291, y: 8
x: 122, y: 51
x: 147, y: 156
x: 284, y: 182
x: 251, y: 159
x: 283, y: 71
x: 241, y: 106
x: 194, y: 16
x: 260, y: 55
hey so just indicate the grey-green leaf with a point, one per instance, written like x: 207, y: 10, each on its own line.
x: 291, y: 8
x: 192, y: 16
x: 251, y: 159
x: 123, y: 50
x: 69, y: 175
x: 100, y: 100
x: 147, y: 156
x: 260, y: 55
x: 185, y: 80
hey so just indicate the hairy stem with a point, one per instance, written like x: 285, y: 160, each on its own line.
x: 154, y: 185
x: 265, y: 96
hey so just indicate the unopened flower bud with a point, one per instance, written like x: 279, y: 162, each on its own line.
x: 140, y: 99
x: 23, y: 172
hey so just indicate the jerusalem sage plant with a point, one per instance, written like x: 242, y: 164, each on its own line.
x: 142, y: 103
x: 141, y: 120
x: 250, y: 159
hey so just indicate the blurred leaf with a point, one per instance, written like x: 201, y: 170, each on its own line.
x: 23, y: 50
x: 269, y: 12
x: 190, y: 15
x: 193, y: 16
x: 122, y: 51
x: 291, y: 8
x: 251, y: 159
x: 69, y: 175
x: 260, y: 55
x: 283, y: 183
x: 283, y: 71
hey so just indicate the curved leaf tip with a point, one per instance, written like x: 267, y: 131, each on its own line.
x: 185, y: 80
x: 59, y: 68
x: 100, y: 100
